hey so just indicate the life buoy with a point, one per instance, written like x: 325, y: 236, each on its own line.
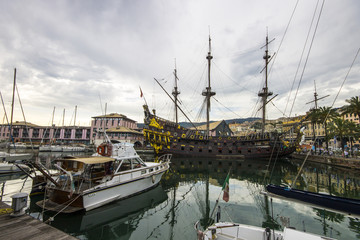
x: 220, y: 138
x: 183, y: 135
x: 192, y: 136
x: 105, y: 150
x: 201, y: 137
x: 100, y: 149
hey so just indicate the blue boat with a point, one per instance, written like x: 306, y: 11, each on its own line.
x: 346, y: 205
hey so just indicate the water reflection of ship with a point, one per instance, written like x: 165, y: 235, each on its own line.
x: 113, y: 221
x: 213, y: 171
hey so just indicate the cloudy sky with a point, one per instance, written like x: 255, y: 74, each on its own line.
x: 91, y: 53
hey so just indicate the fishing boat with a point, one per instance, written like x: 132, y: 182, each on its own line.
x: 115, y: 172
x: 342, y: 204
x: 170, y: 137
x: 230, y: 231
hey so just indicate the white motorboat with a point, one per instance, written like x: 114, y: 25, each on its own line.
x: 73, y: 149
x: 6, y: 168
x: 56, y: 148
x: 44, y: 148
x: 231, y: 231
x: 12, y: 157
x: 115, y: 172
x: 18, y: 145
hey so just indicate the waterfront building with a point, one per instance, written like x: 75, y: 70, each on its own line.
x: 29, y: 132
x: 118, y: 127
x: 352, y: 117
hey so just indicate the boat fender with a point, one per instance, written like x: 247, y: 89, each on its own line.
x: 153, y: 178
x: 267, y: 233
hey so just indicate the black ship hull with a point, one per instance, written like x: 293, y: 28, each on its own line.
x: 347, y: 205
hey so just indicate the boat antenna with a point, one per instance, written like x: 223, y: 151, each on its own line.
x: 207, y: 92
x: 174, y: 102
x: 264, y: 94
x: 175, y: 93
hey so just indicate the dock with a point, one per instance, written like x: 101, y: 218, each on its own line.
x: 27, y: 227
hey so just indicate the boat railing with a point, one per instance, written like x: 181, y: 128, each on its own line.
x: 165, y: 158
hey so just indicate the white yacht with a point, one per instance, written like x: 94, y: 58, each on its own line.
x: 115, y: 172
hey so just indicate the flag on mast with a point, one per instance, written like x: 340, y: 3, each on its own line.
x: 141, y: 93
x: 225, y: 188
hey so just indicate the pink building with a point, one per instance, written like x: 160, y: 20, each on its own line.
x: 118, y: 127
x: 26, y: 132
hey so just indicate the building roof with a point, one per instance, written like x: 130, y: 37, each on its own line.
x: 212, y: 126
x: 23, y: 123
x: 121, y: 129
x: 114, y: 115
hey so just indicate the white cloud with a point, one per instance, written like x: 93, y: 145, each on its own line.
x: 70, y: 53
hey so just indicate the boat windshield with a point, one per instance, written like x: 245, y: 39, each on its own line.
x: 128, y: 164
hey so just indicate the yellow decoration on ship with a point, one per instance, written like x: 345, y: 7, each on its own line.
x: 154, y: 123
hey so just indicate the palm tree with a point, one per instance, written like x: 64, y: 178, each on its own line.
x: 324, y: 115
x: 354, y: 106
x: 342, y: 129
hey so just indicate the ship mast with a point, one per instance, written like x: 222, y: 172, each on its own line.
x: 208, y: 93
x: 175, y: 93
x: 265, y: 91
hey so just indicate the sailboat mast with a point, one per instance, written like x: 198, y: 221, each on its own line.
x: 207, y: 93
x: 315, y: 96
x: 265, y: 91
x: 52, y: 118
x: 75, y: 115
x: 12, y: 105
x: 175, y: 93
x: 63, y: 117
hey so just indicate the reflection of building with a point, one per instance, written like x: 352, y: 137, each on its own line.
x: 117, y: 126
x: 336, y: 183
x: 24, y: 132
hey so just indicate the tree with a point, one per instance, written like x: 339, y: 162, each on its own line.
x: 343, y: 130
x: 324, y: 115
x: 353, y: 107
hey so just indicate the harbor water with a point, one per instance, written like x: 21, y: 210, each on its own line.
x: 189, y: 191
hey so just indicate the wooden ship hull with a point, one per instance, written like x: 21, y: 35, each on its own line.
x: 169, y: 137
